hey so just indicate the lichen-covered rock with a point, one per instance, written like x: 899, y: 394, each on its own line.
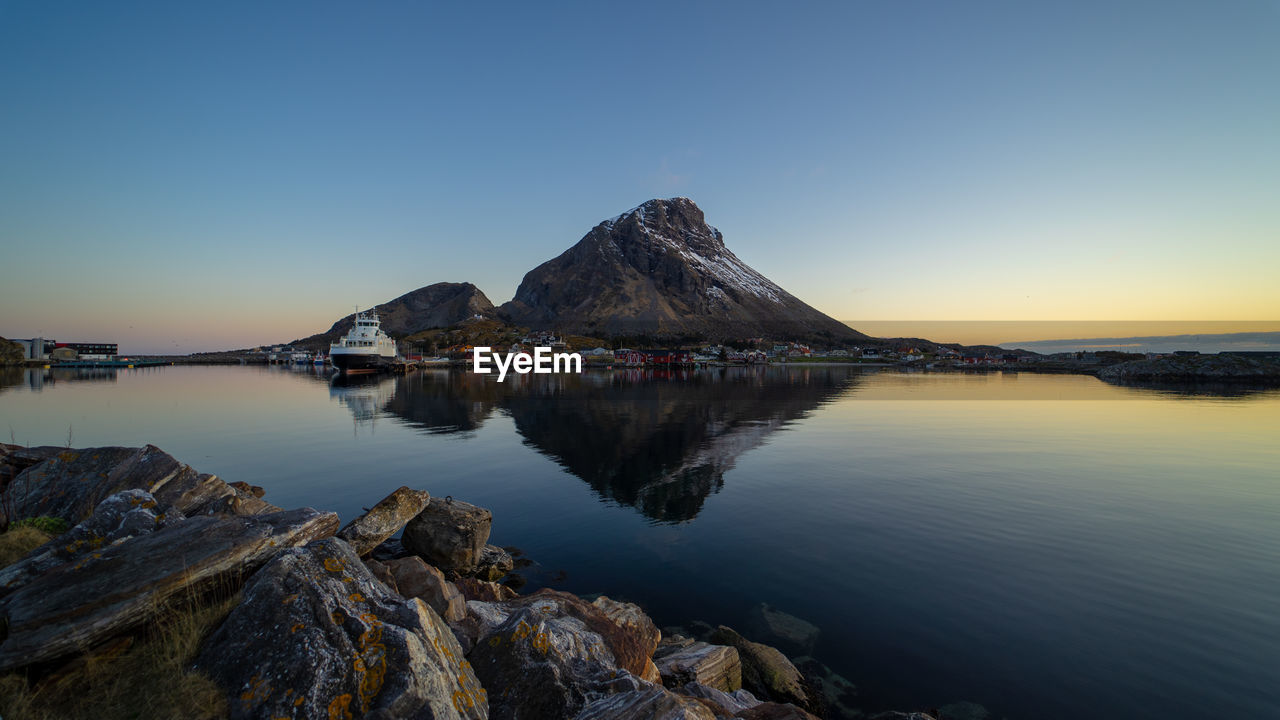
x: 548, y: 653
x: 545, y: 665
x: 16, y: 458
x: 449, y: 534
x: 122, y: 516
x: 651, y: 703
x: 316, y: 636
x: 681, y: 660
x: 493, y: 563
x: 415, y: 578
x: 69, y: 483
x: 384, y: 519
x: 768, y: 674
x: 122, y: 587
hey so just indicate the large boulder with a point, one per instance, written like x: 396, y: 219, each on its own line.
x: 449, y: 534
x: 650, y: 703
x: 124, y: 515
x: 768, y: 674
x: 317, y: 636
x: 638, y: 625
x: 550, y: 652
x: 384, y: 519
x: 70, y: 483
x: 415, y: 578
x: 681, y: 660
x: 120, y: 588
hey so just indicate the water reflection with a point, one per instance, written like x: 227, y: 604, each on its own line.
x: 658, y: 441
x: 36, y: 379
x: 443, y: 401
x: 364, y: 395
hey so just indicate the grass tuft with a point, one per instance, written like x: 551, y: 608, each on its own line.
x: 150, y: 679
x: 18, y: 541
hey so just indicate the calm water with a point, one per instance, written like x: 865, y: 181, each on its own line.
x: 1046, y: 546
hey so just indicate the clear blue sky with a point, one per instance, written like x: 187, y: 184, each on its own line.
x: 187, y: 176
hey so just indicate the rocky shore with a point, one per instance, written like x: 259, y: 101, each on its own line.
x: 1221, y: 367
x: 345, y: 622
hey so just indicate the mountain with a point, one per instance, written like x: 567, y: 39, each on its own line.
x: 434, y: 306
x: 661, y: 271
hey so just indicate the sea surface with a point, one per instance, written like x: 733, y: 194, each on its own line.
x: 1041, y: 546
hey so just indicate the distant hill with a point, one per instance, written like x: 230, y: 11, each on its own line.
x: 660, y: 271
x: 434, y: 306
x: 10, y: 352
x: 1200, y: 342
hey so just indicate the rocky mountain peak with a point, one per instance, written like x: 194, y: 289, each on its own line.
x: 674, y: 221
x: 660, y: 270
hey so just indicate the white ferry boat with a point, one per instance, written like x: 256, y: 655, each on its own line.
x: 365, y: 348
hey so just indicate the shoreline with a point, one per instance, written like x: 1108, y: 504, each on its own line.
x: 152, y: 528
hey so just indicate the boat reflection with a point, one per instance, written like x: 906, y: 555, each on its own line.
x: 366, y: 396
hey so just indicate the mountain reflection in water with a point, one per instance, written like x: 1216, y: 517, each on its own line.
x: 658, y: 441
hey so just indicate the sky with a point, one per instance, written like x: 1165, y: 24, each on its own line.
x: 178, y: 177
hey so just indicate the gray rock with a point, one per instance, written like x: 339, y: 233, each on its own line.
x: 449, y: 534
x: 728, y: 703
x: 317, y: 636
x: 651, y: 703
x: 190, y: 492
x: 415, y: 578
x: 71, y: 483
x: 546, y: 664
x: 122, y: 587
x: 384, y: 519
x: 549, y: 652
x: 494, y: 562
x: 682, y: 661
x: 768, y: 674
x: 126, y: 514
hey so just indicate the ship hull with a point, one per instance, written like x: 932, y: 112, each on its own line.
x: 352, y: 363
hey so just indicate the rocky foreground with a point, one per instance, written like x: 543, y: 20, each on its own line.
x: 344, y: 622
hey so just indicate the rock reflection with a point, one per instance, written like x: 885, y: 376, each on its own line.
x: 658, y: 441
x: 444, y: 401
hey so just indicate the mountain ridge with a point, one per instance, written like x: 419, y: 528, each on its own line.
x: 659, y: 270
